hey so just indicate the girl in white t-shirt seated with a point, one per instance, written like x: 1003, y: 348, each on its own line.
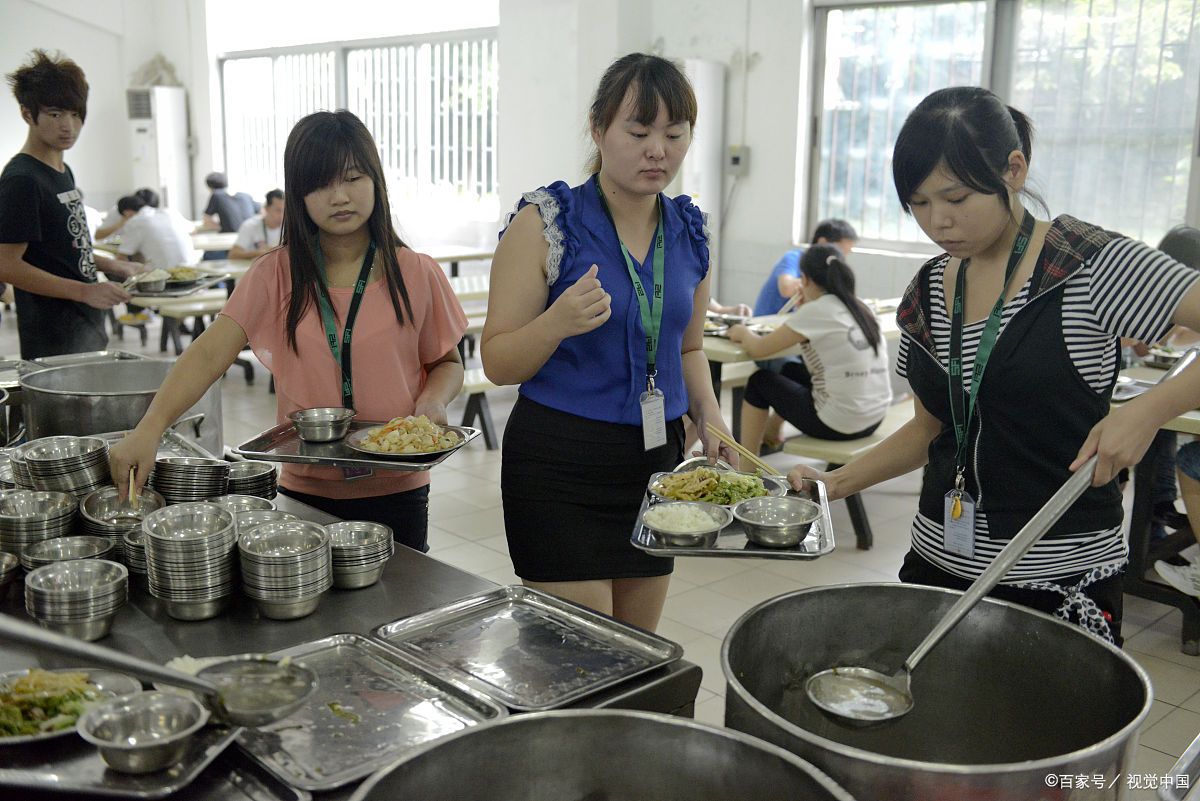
x: 841, y: 390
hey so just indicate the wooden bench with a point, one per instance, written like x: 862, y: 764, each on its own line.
x: 476, y: 386
x: 840, y: 452
x: 197, y: 306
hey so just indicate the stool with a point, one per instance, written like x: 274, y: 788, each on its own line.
x: 476, y: 385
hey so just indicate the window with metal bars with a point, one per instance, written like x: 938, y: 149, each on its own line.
x: 430, y: 104
x: 1111, y: 87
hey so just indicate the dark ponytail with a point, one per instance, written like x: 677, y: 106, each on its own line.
x: 969, y: 130
x: 824, y: 266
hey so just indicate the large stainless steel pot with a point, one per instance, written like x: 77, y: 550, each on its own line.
x: 600, y: 754
x: 97, y: 398
x: 1011, y: 700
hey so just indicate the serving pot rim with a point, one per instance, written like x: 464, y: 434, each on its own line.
x: 950, y: 768
x: 26, y: 386
x: 818, y: 774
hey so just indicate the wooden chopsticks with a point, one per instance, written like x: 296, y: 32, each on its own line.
x: 133, y: 498
x: 731, y: 442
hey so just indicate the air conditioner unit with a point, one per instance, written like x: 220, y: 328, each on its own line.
x: 159, y: 130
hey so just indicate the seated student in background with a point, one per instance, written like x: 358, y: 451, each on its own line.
x: 157, y: 238
x: 841, y: 390
x: 784, y: 281
x: 260, y: 233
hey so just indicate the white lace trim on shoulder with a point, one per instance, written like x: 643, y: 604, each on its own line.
x: 707, y: 233
x: 549, y: 210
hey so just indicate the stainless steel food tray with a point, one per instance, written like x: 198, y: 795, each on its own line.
x: 731, y: 541
x: 283, y: 444
x: 1184, y: 776
x: 11, y: 371
x: 372, y: 703
x: 70, y: 765
x: 528, y: 650
x: 171, y: 444
x: 1129, y: 388
x: 235, y: 776
x: 90, y: 357
x: 207, y: 282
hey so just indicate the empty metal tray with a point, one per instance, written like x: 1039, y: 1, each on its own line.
x: 528, y: 650
x: 371, y: 704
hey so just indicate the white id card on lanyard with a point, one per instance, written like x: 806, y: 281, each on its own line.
x: 654, y: 419
x: 958, y: 524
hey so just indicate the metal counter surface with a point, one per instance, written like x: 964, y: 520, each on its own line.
x: 412, y: 582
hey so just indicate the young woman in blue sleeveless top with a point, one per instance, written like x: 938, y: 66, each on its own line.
x: 1044, y: 309
x: 601, y: 402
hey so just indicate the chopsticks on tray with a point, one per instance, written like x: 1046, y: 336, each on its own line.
x: 731, y: 442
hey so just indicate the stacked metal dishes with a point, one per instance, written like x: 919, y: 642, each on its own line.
x: 6, y: 470
x: 102, y: 514
x: 253, y: 478
x: 78, y: 598
x: 20, y: 470
x: 27, y: 517
x: 134, y: 551
x: 248, y: 520
x: 182, y: 479
x: 76, y: 465
x: 360, y: 552
x: 190, y: 560
x: 9, y: 570
x: 244, y: 503
x: 286, y: 566
x: 63, y: 549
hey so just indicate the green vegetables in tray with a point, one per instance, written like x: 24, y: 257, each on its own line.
x: 713, y: 486
x: 42, y: 701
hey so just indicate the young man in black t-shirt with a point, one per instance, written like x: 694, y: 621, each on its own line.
x: 45, y: 248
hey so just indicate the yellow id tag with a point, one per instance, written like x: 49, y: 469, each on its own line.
x: 958, y: 524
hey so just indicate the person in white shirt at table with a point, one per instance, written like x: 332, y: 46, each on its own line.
x: 154, y: 234
x: 261, y: 233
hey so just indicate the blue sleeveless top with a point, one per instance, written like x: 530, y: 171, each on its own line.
x: 601, y: 374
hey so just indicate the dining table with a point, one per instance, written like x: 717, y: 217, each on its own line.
x: 453, y: 255
x: 722, y: 351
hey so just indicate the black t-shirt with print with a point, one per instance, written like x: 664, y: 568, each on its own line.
x: 42, y: 207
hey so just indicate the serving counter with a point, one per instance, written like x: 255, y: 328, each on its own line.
x: 411, y: 583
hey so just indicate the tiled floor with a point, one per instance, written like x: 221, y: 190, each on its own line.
x: 707, y: 595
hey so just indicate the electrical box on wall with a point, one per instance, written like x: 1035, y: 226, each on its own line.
x: 737, y: 161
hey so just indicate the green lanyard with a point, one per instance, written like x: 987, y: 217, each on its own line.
x: 963, y: 409
x: 651, y: 316
x: 341, y: 350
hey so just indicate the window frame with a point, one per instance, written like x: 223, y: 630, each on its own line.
x: 341, y: 50
x: 1000, y: 32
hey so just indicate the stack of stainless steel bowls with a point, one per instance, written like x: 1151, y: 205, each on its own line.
x: 76, y: 465
x: 9, y: 569
x: 20, y: 470
x: 181, y: 479
x: 134, y: 551
x: 190, y: 558
x: 27, y: 517
x: 102, y: 514
x: 244, y: 503
x: 360, y: 552
x: 6, y: 470
x: 64, y: 549
x: 253, y: 478
x: 248, y: 520
x: 286, y: 566
x: 79, y: 598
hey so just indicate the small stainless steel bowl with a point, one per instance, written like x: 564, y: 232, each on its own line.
x: 103, y: 507
x: 196, y: 610
x: 146, y: 287
x: 143, y: 732
x: 776, y: 522
x: 89, y: 630
x: 720, y: 516
x: 288, y: 610
x: 78, y: 578
x: 357, y: 534
x: 283, y: 539
x: 244, y: 503
x: 63, y: 549
x: 357, y: 579
x: 326, y: 424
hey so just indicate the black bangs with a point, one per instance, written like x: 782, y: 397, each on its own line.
x: 655, y: 80
x: 655, y: 90
x: 321, y: 156
x: 969, y: 130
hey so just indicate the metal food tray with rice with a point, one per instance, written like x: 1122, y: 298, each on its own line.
x: 183, y: 289
x: 526, y: 649
x: 372, y: 704
x: 732, y: 539
x: 283, y: 444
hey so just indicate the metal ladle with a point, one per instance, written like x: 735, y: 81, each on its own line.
x: 245, y: 691
x: 864, y: 696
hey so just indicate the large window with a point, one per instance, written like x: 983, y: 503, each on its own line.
x: 430, y: 104
x: 1111, y: 86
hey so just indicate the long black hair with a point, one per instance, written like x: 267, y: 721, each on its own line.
x: 657, y: 80
x: 824, y: 266
x: 972, y: 131
x: 319, y: 150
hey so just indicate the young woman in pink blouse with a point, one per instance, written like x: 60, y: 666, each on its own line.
x: 341, y: 262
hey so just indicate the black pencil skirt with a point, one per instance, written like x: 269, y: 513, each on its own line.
x: 572, y: 488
